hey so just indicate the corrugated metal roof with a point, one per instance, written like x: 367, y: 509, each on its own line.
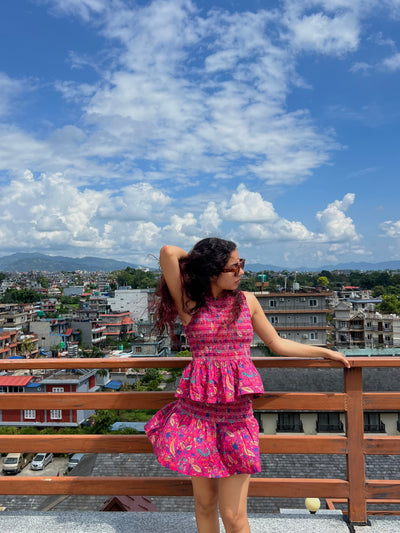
x: 14, y: 381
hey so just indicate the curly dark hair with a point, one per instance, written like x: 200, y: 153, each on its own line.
x: 205, y: 261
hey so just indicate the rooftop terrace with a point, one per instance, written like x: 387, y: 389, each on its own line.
x: 350, y: 457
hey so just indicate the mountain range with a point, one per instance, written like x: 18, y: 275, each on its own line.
x: 26, y: 262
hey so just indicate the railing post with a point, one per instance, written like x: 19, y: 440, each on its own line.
x: 355, y: 439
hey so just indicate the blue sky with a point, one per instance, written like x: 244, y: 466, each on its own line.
x: 127, y: 125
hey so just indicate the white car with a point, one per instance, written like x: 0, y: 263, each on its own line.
x: 41, y: 460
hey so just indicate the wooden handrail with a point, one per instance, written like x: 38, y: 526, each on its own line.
x: 356, y: 490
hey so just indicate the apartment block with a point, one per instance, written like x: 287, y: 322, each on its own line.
x: 298, y: 316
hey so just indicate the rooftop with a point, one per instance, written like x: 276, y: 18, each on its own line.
x: 292, y: 521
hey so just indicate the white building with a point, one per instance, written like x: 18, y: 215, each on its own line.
x: 137, y: 301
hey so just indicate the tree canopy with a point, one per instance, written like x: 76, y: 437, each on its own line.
x: 20, y: 296
x: 136, y: 278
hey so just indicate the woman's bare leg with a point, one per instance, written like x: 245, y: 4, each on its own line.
x: 232, y: 497
x: 205, y: 491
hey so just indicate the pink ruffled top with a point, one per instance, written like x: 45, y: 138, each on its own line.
x: 221, y: 370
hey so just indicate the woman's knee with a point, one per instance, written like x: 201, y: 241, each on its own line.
x: 207, y: 502
x: 205, y: 492
x: 234, y: 520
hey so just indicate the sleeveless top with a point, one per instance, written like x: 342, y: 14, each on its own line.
x: 221, y: 370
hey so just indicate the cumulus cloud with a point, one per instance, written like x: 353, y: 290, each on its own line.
x: 258, y: 219
x: 391, y: 228
x: 336, y: 226
x: 247, y: 206
x: 51, y: 213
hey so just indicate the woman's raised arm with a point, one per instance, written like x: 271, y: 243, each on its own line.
x: 169, y: 263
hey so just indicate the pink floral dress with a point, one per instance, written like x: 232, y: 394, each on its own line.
x: 210, y: 430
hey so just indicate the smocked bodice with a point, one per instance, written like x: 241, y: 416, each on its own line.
x: 221, y: 370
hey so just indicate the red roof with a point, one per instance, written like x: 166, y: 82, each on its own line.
x: 14, y: 381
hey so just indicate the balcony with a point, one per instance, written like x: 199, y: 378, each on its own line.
x: 354, y: 489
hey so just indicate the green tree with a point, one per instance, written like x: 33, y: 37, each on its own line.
x: 136, y: 278
x: 322, y: 281
x: 103, y: 420
x: 390, y: 304
x: 20, y: 296
x: 44, y: 282
x: 378, y: 291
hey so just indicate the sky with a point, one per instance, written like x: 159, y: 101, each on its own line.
x: 126, y: 125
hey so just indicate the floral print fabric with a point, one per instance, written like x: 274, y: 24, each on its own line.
x: 210, y: 430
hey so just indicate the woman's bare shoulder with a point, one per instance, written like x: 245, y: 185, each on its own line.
x: 251, y: 300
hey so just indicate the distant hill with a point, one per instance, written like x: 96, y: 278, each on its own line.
x: 363, y: 266
x: 26, y: 262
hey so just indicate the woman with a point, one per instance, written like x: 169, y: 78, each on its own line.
x: 210, y: 432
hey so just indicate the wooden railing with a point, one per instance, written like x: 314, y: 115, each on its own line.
x: 355, y: 489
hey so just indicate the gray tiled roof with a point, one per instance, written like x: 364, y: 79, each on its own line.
x: 289, y: 466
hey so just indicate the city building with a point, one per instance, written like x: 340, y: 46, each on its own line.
x: 298, y: 316
x: 8, y: 343
x: 50, y: 382
x: 138, y: 302
x: 92, y: 332
x: 117, y: 324
x: 363, y: 328
x: 54, y: 332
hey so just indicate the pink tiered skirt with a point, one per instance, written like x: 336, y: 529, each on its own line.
x: 206, y: 440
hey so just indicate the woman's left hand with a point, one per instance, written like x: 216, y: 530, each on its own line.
x: 337, y: 356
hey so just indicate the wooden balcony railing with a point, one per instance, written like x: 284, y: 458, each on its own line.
x: 355, y: 489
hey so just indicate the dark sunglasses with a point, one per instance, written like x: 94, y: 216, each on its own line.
x: 235, y: 269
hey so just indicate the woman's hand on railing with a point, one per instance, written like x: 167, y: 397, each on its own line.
x: 337, y: 356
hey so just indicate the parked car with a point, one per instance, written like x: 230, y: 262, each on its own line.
x: 41, y: 460
x: 75, y: 460
x: 13, y: 463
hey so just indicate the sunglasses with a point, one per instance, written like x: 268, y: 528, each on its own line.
x: 235, y: 269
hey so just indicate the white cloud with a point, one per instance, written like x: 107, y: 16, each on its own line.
x: 336, y: 226
x: 49, y: 212
x: 10, y: 90
x: 247, y: 206
x: 326, y: 34
x: 162, y: 105
x: 392, y: 63
x: 210, y: 220
x: 79, y: 8
x: 391, y: 229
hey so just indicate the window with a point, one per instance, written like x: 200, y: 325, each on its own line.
x: 312, y: 303
x: 313, y: 336
x: 30, y: 414
x: 138, y: 349
x: 313, y: 319
x: 272, y: 303
x: 373, y: 423
x: 274, y: 320
x: 289, y: 422
x: 58, y: 389
x: 55, y: 414
x: 329, y: 423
